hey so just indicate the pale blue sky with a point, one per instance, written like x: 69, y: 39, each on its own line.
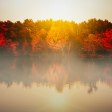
x: 77, y: 10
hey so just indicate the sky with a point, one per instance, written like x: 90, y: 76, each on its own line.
x: 76, y: 10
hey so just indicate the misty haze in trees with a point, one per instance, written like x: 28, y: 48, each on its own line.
x: 29, y: 38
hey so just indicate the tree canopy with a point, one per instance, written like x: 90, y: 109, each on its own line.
x: 30, y: 38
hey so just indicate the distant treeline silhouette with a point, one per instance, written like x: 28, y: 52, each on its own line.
x: 88, y: 38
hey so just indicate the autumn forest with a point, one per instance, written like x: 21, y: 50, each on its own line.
x: 92, y: 38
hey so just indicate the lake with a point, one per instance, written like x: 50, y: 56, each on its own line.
x: 54, y: 84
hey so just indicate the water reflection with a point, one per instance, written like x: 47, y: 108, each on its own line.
x: 55, y: 71
x: 50, y: 83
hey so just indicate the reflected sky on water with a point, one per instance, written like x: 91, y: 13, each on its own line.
x: 55, y: 84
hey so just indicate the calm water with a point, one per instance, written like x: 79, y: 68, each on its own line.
x: 38, y: 84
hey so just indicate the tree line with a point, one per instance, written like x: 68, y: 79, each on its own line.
x: 89, y: 38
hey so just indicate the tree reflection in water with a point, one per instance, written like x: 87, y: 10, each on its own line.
x: 55, y: 71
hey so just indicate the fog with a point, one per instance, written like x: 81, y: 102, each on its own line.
x: 55, y: 70
x: 53, y: 83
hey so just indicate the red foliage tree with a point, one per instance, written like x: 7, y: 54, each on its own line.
x: 2, y: 40
x: 107, y: 40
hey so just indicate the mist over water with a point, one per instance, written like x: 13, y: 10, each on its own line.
x: 55, y: 83
x: 51, y: 63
